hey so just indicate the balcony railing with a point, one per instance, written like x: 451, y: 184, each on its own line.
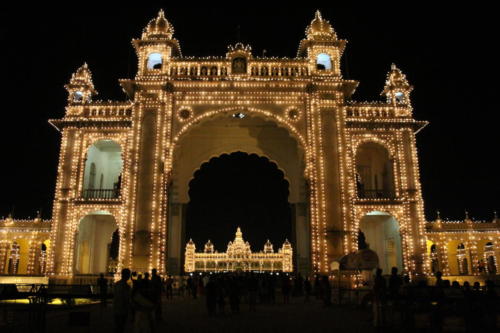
x: 376, y: 194
x: 101, y: 194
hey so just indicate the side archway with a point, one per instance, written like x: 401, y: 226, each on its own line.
x: 382, y: 234
x: 96, y: 244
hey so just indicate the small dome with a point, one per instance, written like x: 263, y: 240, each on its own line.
x: 158, y: 27
x: 320, y: 28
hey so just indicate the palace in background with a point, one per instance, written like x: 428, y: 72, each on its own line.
x: 352, y: 167
x: 238, y: 257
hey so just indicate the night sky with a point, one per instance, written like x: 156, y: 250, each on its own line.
x: 447, y: 54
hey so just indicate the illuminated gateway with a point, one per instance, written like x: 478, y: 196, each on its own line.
x: 125, y: 166
x: 238, y: 256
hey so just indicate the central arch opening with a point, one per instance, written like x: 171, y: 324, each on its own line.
x: 238, y: 190
x: 252, y: 136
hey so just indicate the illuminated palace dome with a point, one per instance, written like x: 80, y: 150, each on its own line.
x: 158, y: 27
x: 238, y: 256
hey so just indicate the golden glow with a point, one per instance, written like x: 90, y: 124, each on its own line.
x: 328, y: 126
x: 238, y: 256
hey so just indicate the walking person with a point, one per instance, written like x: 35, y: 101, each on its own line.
x: 121, y: 301
x: 286, y: 289
x: 156, y: 293
x: 169, y: 284
x: 327, y: 291
x: 102, y: 284
x: 379, y: 289
x: 307, y: 289
x: 144, y: 307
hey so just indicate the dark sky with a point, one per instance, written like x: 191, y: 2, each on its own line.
x: 447, y: 54
x: 238, y: 190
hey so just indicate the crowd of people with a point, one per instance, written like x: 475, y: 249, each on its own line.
x: 137, y: 297
x: 397, y: 299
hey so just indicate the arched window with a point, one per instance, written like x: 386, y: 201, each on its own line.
x: 400, y: 97
x: 434, y: 259
x: 491, y: 260
x: 103, y: 159
x: 155, y: 61
x: 374, y: 172
x: 323, y: 62
x: 77, y: 96
x: 14, y: 255
x: 463, y: 265
x: 213, y: 70
x: 43, y: 258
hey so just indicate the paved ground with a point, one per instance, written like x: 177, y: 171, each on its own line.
x: 187, y: 315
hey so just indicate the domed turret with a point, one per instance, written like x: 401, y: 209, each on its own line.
x: 158, y: 28
x: 268, y: 247
x: 322, y: 47
x: 209, y: 247
x: 155, y: 48
x: 397, y: 89
x: 190, y: 245
x: 80, y: 87
x: 320, y: 29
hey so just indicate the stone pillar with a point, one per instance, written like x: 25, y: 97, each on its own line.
x: 176, y: 244
x: 302, y: 239
x: 414, y: 195
x: 59, y: 259
x: 335, y: 176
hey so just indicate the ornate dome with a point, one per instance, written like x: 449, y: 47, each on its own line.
x: 158, y: 27
x: 320, y: 28
x: 82, y: 77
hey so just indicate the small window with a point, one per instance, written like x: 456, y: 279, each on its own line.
x: 400, y: 97
x: 155, y: 61
x: 77, y: 96
x: 323, y: 62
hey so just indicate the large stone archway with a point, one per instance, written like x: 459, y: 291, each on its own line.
x: 224, y: 134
